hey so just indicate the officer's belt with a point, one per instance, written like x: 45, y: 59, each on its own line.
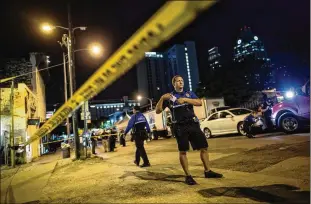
x: 139, y: 131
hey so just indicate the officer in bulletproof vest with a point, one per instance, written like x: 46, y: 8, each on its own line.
x: 186, y: 126
x: 140, y: 126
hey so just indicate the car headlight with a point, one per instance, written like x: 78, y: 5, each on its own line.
x: 289, y: 94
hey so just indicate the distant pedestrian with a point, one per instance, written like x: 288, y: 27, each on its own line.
x: 122, y: 138
x: 105, y: 143
x: 94, y: 142
x: 138, y: 123
x: 186, y: 126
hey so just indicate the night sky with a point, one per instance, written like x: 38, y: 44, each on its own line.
x: 283, y: 26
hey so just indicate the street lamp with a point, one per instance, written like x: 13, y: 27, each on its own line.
x: 68, y: 42
x: 49, y: 28
x: 139, y: 97
x: 95, y: 50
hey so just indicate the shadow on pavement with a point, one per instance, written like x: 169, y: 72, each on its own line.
x: 270, y: 193
x: 148, y: 175
x: 260, y: 158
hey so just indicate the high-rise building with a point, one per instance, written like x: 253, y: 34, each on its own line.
x: 156, y: 70
x: 150, y: 75
x: 214, y: 58
x: 249, y: 45
x: 182, y: 60
x: 250, y: 49
x: 101, y: 109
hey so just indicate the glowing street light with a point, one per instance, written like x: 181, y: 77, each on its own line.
x: 47, y: 28
x: 94, y: 49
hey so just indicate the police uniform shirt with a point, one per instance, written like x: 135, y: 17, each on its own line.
x: 250, y: 118
x: 138, y: 121
x: 181, y: 112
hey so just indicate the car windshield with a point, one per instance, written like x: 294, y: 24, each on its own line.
x: 240, y: 111
x: 219, y: 109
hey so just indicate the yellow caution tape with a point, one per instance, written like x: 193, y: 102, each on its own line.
x: 165, y: 23
x: 71, y: 138
x: 57, y: 141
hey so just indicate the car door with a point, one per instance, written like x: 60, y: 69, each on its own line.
x: 303, y: 103
x: 212, y: 123
x: 226, y: 122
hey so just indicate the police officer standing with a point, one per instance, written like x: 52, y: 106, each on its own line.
x: 138, y: 122
x: 186, y: 126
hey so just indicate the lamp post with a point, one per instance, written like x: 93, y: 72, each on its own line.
x: 67, y: 42
x: 150, y: 100
x: 12, y: 126
x: 69, y: 45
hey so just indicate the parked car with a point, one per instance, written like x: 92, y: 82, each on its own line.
x: 225, y: 122
x: 214, y: 110
x: 294, y: 111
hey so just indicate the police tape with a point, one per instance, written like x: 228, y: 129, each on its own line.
x: 72, y: 138
x: 55, y: 141
x: 165, y: 23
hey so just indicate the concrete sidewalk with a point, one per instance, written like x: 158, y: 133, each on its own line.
x: 113, y: 178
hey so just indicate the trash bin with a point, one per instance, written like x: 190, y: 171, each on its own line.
x: 66, y: 152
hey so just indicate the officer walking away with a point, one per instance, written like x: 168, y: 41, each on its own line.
x: 138, y: 123
x: 105, y: 142
x: 94, y: 142
x: 112, y: 139
x: 122, y: 138
x: 186, y: 126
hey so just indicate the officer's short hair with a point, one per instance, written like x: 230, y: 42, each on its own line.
x: 174, y: 78
x: 137, y: 108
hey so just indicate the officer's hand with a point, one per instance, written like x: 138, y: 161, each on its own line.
x: 166, y: 96
x: 181, y: 101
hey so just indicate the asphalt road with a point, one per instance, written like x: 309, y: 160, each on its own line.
x: 269, y: 168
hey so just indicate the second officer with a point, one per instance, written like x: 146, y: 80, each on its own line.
x: 140, y: 126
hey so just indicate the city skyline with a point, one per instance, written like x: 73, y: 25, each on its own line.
x: 271, y: 28
x: 214, y: 58
x: 156, y: 70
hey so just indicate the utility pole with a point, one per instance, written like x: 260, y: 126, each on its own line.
x: 71, y: 80
x: 85, y: 127
x: 12, y: 126
x: 66, y: 94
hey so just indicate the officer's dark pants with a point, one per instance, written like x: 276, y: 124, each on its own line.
x: 122, y: 141
x: 267, y: 116
x: 94, y: 143
x: 112, y: 143
x: 172, y: 128
x: 140, y: 150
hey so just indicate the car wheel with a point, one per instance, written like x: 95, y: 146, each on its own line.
x: 207, y: 133
x: 289, y: 123
x: 241, y: 129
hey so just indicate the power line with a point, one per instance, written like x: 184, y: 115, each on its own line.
x: 10, y: 78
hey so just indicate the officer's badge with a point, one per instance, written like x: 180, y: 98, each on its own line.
x: 187, y: 94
